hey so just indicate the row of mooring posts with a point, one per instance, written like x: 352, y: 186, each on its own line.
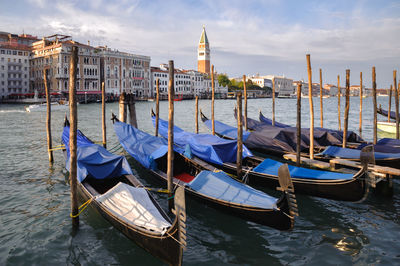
x: 127, y: 103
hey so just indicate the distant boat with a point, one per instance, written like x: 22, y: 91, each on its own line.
x: 179, y: 98
x: 55, y: 106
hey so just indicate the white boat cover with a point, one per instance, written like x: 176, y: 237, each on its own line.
x: 134, y: 206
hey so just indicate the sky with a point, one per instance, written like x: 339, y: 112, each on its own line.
x: 268, y: 37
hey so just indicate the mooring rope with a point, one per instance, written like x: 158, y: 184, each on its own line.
x: 82, y: 208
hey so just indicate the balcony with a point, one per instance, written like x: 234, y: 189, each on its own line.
x: 14, y: 64
x: 14, y: 79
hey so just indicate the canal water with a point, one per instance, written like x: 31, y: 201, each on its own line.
x: 35, y: 228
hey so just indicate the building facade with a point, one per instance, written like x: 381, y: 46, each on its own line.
x: 14, y: 69
x: 54, y: 53
x: 188, y: 83
x: 283, y: 86
x: 261, y: 81
x: 125, y: 72
x: 203, y: 54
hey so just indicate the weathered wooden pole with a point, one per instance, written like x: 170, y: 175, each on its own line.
x: 396, y: 102
x: 374, y: 103
x: 390, y: 102
x: 361, y: 102
x: 72, y: 136
x: 298, y: 125
x: 347, y: 108
x: 103, y: 114
x: 48, y: 120
x: 310, y: 100
x: 132, y: 110
x: 239, y: 135
x: 157, y: 105
x: 197, y: 115
x: 338, y: 103
x: 170, y: 163
x: 212, y: 100
x: 245, y: 102
x: 273, y: 101
x: 320, y: 97
x: 122, y: 107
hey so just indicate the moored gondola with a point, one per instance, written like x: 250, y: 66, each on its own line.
x: 264, y: 172
x: 106, y: 182
x: 208, y: 184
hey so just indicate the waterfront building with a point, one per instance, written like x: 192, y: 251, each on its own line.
x: 261, y: 81
x: 14, y: 69
x: 283, y: 86
x: 203, y: 54
x: 125, y: 72
x: 24, y: 39
x: 53, y: 53
x: 219, y: 90
x: 188, y: 83
x: 182, y: 80
x: 197, y: 83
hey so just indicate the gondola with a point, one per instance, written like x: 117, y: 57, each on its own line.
x: 264, y: 172
x: 106, y: 181
x: 208, y: 184
x: 385, y: 113
x: 280, y: 141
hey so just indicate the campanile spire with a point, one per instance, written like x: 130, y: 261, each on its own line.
x: 203, y: 53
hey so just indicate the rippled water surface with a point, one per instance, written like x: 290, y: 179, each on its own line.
x: 35, y: 227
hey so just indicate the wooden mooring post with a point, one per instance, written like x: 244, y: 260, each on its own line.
x: 239, y: 135
x: 157, y: 105
x: 396, y: 102
x: 245, y: 102
x: 103, y: 114
x: 310, y: 100
x: 170, y: 162
x: 197, y: 115
x: 338, y: 103
x: 375, y: 132
x: 212, y: 100
x: 361, y: 103
x: 298, y: 125
x: 122, y: 107
x: 320, y: 98
x: 390, y: 102
x: 72, y: 136
x: 347, y: 108
x: 273, y: 101
x: 48, y: 119
x: 132, y: 110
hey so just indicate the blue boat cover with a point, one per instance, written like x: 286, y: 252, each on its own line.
x: 142, y: 146
x: 385, y: 113
x: 346, y: 153
x: 271, y: 167
x: 219, y: 185
x: 389, y: 141
x: 226, y: 130
x: 94, y: 160
x: 207, y: 147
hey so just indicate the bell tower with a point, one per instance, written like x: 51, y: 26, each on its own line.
x: 203, y: 53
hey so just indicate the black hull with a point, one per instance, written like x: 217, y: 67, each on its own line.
x: 276, y: 218
x: 355, y: 189
x: 164, y: 247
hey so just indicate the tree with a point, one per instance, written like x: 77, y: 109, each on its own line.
x: 224, y: 80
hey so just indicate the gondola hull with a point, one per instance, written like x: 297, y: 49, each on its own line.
x: 275, y: 218
x: 354, y: 189
x: 164, y: 247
